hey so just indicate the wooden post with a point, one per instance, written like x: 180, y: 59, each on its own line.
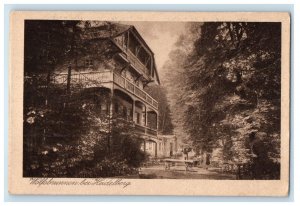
x: 156, y: 121
x: 133, y: 111
x: 146, y: 116
x: 155, y: 149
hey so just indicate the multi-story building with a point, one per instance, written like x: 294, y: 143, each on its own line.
x: 118, y: 62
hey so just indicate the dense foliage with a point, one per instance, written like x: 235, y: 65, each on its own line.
x: 65, y: 132
x: 75, y: 140
x: 227, y: 92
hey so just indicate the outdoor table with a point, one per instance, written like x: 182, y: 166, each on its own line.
x: 169, y: 162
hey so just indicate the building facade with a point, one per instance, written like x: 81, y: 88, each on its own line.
x: 118, y: 64
x: 168, y: 146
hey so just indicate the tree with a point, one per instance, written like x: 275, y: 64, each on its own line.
x: 67, y: 135
x: 48, y: 43
x: 174, y: 80
x: 232, y: 89
x: 75, y: 142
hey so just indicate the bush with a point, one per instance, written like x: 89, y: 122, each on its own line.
x: 75, y: 141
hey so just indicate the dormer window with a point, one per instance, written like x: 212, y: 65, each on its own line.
x: 89, y: 62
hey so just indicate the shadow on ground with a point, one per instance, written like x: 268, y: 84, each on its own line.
x: 179, y: 172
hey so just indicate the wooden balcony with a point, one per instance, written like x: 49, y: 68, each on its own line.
x: 145, y: 130
x: 126, y: 84
x: 132, y: 58
x: 137, y: 63
x: 96, y: 79
x: 85, y: 78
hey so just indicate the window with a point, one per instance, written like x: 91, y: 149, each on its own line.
x: 125, y: 111
x: 116, y: 108
x: 129, y: 114
x: 138, y: 119
x: 120, y: 109
x: 89, y: 62
x: 147, y: 145
x: 133, y: 43
x: 104, y: 107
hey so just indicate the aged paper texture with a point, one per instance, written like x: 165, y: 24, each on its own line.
x: 149, y: 103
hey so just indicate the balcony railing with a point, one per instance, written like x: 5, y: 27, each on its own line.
x: 145, y: 130
x: 132, y: 58
x: 90, y: 79
x: 151, y: 131
x: 136, y: 62
x: 84, y: 78
x: 140, y: 128
x: 126, y: 84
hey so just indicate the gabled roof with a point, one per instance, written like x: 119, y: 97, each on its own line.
x: 132, y: 28
x: 146, y: 45
x: 155, y: 70
x: 103, y: 30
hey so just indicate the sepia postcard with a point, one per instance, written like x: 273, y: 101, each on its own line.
x: 149, y: 103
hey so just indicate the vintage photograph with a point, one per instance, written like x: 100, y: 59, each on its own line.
x: 192, y: 100
x: 117, y: 103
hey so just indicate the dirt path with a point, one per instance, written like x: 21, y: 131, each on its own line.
x: 178, y: 172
